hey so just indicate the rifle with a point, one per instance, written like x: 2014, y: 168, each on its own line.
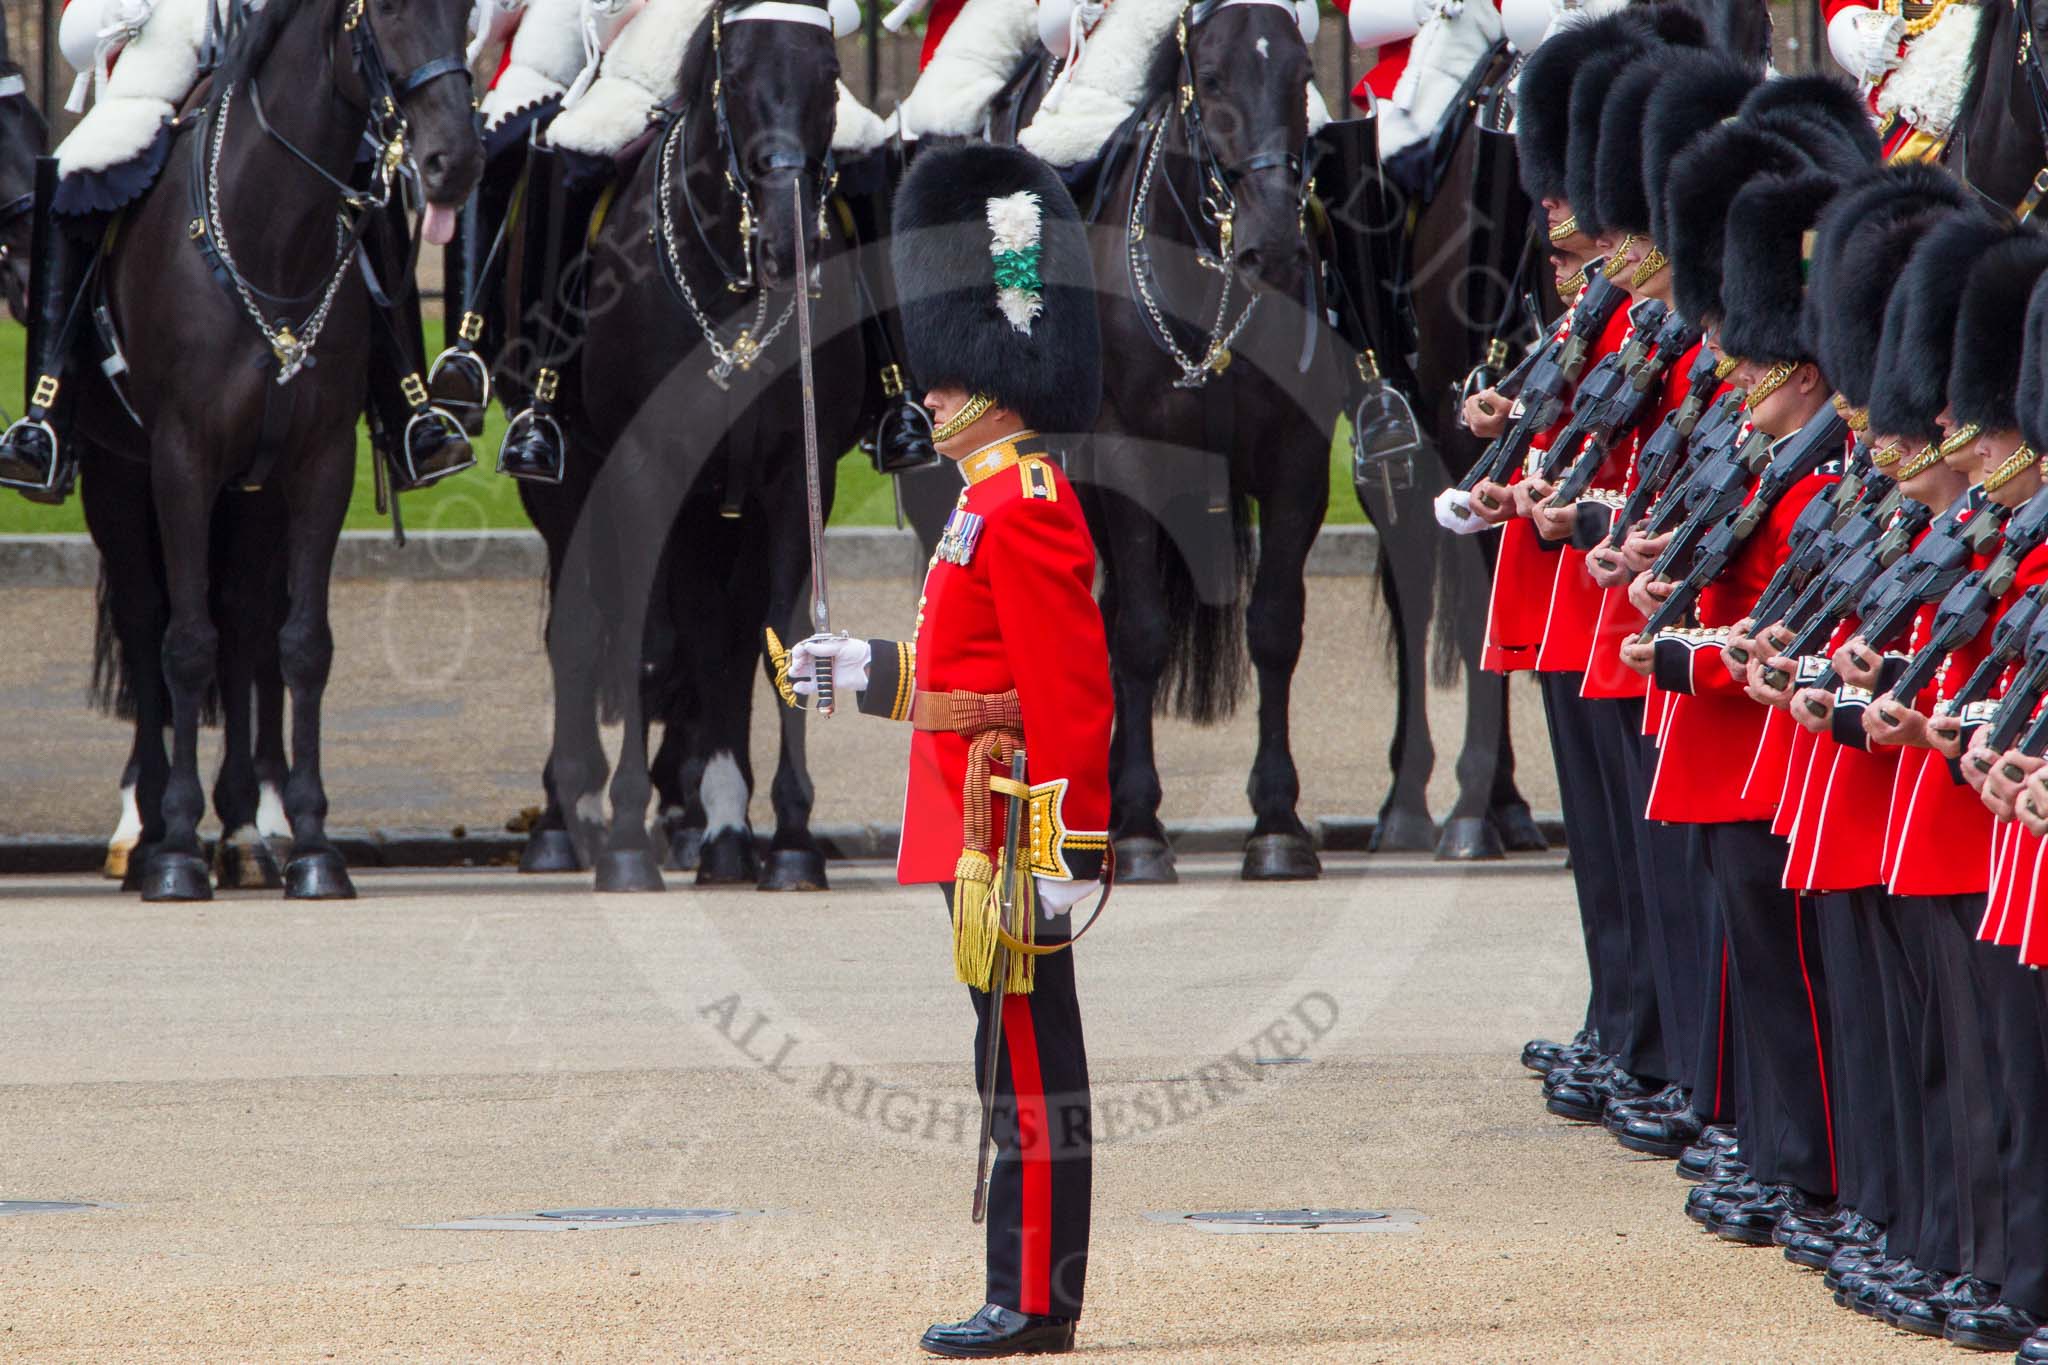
x: 2020, y: 699
x: 1813, y: 542
x: 1712, y: 439
x: 1603, y: 383
x: 1935, y: 565
x: 1967, y: 607
x: 1663, y: 454
x: 1871, y: 549
x: 1625, y: 409
x: 2008, y: 637
x: 1797, y: 457
x: 1542, y: 395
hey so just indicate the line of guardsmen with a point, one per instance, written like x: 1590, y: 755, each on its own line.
x: 1772, y: 545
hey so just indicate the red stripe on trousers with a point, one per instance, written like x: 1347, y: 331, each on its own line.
x: 1827, y: 1109
x: 1034, y: 1152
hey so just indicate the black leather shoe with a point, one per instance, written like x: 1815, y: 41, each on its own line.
x: 1585, y: 1103
x: 1811, y: 1251
x: 2034, y: 1350
x: 533, y: 448
x: 998, y: 1331
x: 1543, y: 1056
x: 1994, y: 1327
x: 1701, y: 1203
x: 1569, y: 1072
x: 1671, y: 1099
x: 435, y: 447
x: 1852, y: 1261
x: 1873, y: 1297
x: 1666, y: 1135
x: 1753, y: 1221
x: 1918, y: 1305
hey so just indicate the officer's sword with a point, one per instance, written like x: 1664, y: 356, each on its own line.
x: 814, y: 490
x: 992, y: 1049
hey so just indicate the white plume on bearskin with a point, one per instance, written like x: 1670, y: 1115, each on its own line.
x: 1927, y: 88
x: 547, y: 54
x: 158, y: 68
x: 1016, y: 223
x: 978, y: 55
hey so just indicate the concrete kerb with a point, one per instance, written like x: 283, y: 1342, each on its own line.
x: 857, y: 552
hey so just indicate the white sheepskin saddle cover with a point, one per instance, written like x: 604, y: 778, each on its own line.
x: 546, y: 55
x: 1453, y: 40
x: 639, y: 74
x: 988, y: 40
x: 157, y: 68
x: 1108, y: 81
x: 1926, y: 89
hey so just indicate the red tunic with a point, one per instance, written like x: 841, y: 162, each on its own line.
x: 1020, y: 613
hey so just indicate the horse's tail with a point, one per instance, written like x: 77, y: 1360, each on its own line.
x: 113, y: 688
x: 1206, y: 662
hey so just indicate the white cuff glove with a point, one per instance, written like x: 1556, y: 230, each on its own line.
x: 1865, y: 42
x: 1455, y: 514
x: 849, y: 663
x: 1056, y: 898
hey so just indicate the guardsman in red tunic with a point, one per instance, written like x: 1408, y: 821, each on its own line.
x: 1009, y: 654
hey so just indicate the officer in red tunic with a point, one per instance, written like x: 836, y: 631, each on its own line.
x: 1009, y: 653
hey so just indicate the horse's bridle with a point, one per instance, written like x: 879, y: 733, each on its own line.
x: 1219, y: 180
x: 2035, y: 74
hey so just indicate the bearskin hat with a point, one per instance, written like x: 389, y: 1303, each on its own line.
x: 966, y: 217
x: 1590, y: 90
x: 1543, y: 94
x: 1618, y: 201
x: 1991, y: 328
x: 1763, y: 265
x: 1708, y: 174
x: 2033, y: 391
x: 1699, y: 91
x: 1860, y: 246
x: 1910, y: 387
x: 1822, y: 116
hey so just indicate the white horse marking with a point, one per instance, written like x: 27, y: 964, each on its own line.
x: 724, y: 793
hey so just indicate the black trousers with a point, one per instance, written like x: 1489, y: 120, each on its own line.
x: 1925, y: 1225
x: 1038, y: 1196
x: 1781, y: 984
x: 1971, y: 1183
x: 1589, y: 741
x: 1683, y: 940
x: 1859, y: 1072
x: 2010, y: 1012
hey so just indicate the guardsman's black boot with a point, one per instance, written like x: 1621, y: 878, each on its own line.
x: 902, y: 437
x: 997, y: 1331
x: 421, y: 443
x: 534, y: 447
x: 459, y: 380
x: 33, y: 458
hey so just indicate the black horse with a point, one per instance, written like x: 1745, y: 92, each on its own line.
x: 23, y: 137
x: 236, y: 271
x: 680, y: 530
x: 2000, y: 141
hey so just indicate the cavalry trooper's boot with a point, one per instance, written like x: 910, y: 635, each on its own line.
x: 534, y: 447
x: 1365, y: 226
x: 421, y: 443
x: 902, y: 436
x: 33, y: 458
x: 459, y: 380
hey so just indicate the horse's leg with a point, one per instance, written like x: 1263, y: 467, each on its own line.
x: 241, y: 858
x: 128, y: 830
x: 1404, y: 824
x: 184, y: 498
x: 637, y: 513
x: 677, y: 771
x: 718, y: 687
x: 553, y: 510
x: 795, y: 862
x: 316, y: 498
x: 1289, y: 516
x: 1140, y: 640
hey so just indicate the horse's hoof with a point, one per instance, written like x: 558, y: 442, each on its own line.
x: 794, y: 869
x: 1402, y: 829
x: 628, y: 869
x: 176, y: 877
x: 1144, y: 862
x: 138, y: 863
x: 1469, y: 839
x: 115, y: 868
x: 1518, y: 830
x: 549, y: 850
x: 728, y: 860
x: 1280, y: 858
x: 321, y: 875
x: 685, y: 848
x: 246, y: 864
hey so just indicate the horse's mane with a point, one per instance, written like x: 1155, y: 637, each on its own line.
x: 254, y: 34
x: 1996, y: 24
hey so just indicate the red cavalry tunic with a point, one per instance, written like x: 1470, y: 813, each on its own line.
x: 1018, y: 613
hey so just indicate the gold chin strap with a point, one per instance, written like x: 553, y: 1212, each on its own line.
x: 1617, y: 259
x: 1725, y: 366
x: 1565, y: 231
x: 1927, y: 459
x: 972, y: 411
x: 1568, y: 288
x: 1773, y: 380
x: 1652, y: 266
x: 1959, y: 439
x: 1857, y: 418
x: 2015, y: 465
x: 1887, y: 455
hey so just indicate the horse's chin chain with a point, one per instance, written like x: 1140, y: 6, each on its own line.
x: 1216, y: 356
x: 752, y: 340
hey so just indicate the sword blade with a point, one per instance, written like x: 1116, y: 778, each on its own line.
x: 814, y: 493
x: 1006, y: 900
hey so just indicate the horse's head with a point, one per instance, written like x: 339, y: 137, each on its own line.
x: 23, y: 137
x: 779, y: 87
x: 1248, y: 69
x: 412, y: 53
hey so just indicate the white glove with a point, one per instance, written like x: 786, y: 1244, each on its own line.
x: 1455, y: 514
x: 849, y: 664
x: 1375, y: 23
x: 1056, y: 898
x: 1865, y: 42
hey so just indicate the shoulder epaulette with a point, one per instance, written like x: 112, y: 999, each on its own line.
x: 1038, y: 480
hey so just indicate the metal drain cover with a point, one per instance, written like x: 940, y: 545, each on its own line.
x: 584, y: 1220
x: 1296, y: 1220
x: 10, y: 1207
